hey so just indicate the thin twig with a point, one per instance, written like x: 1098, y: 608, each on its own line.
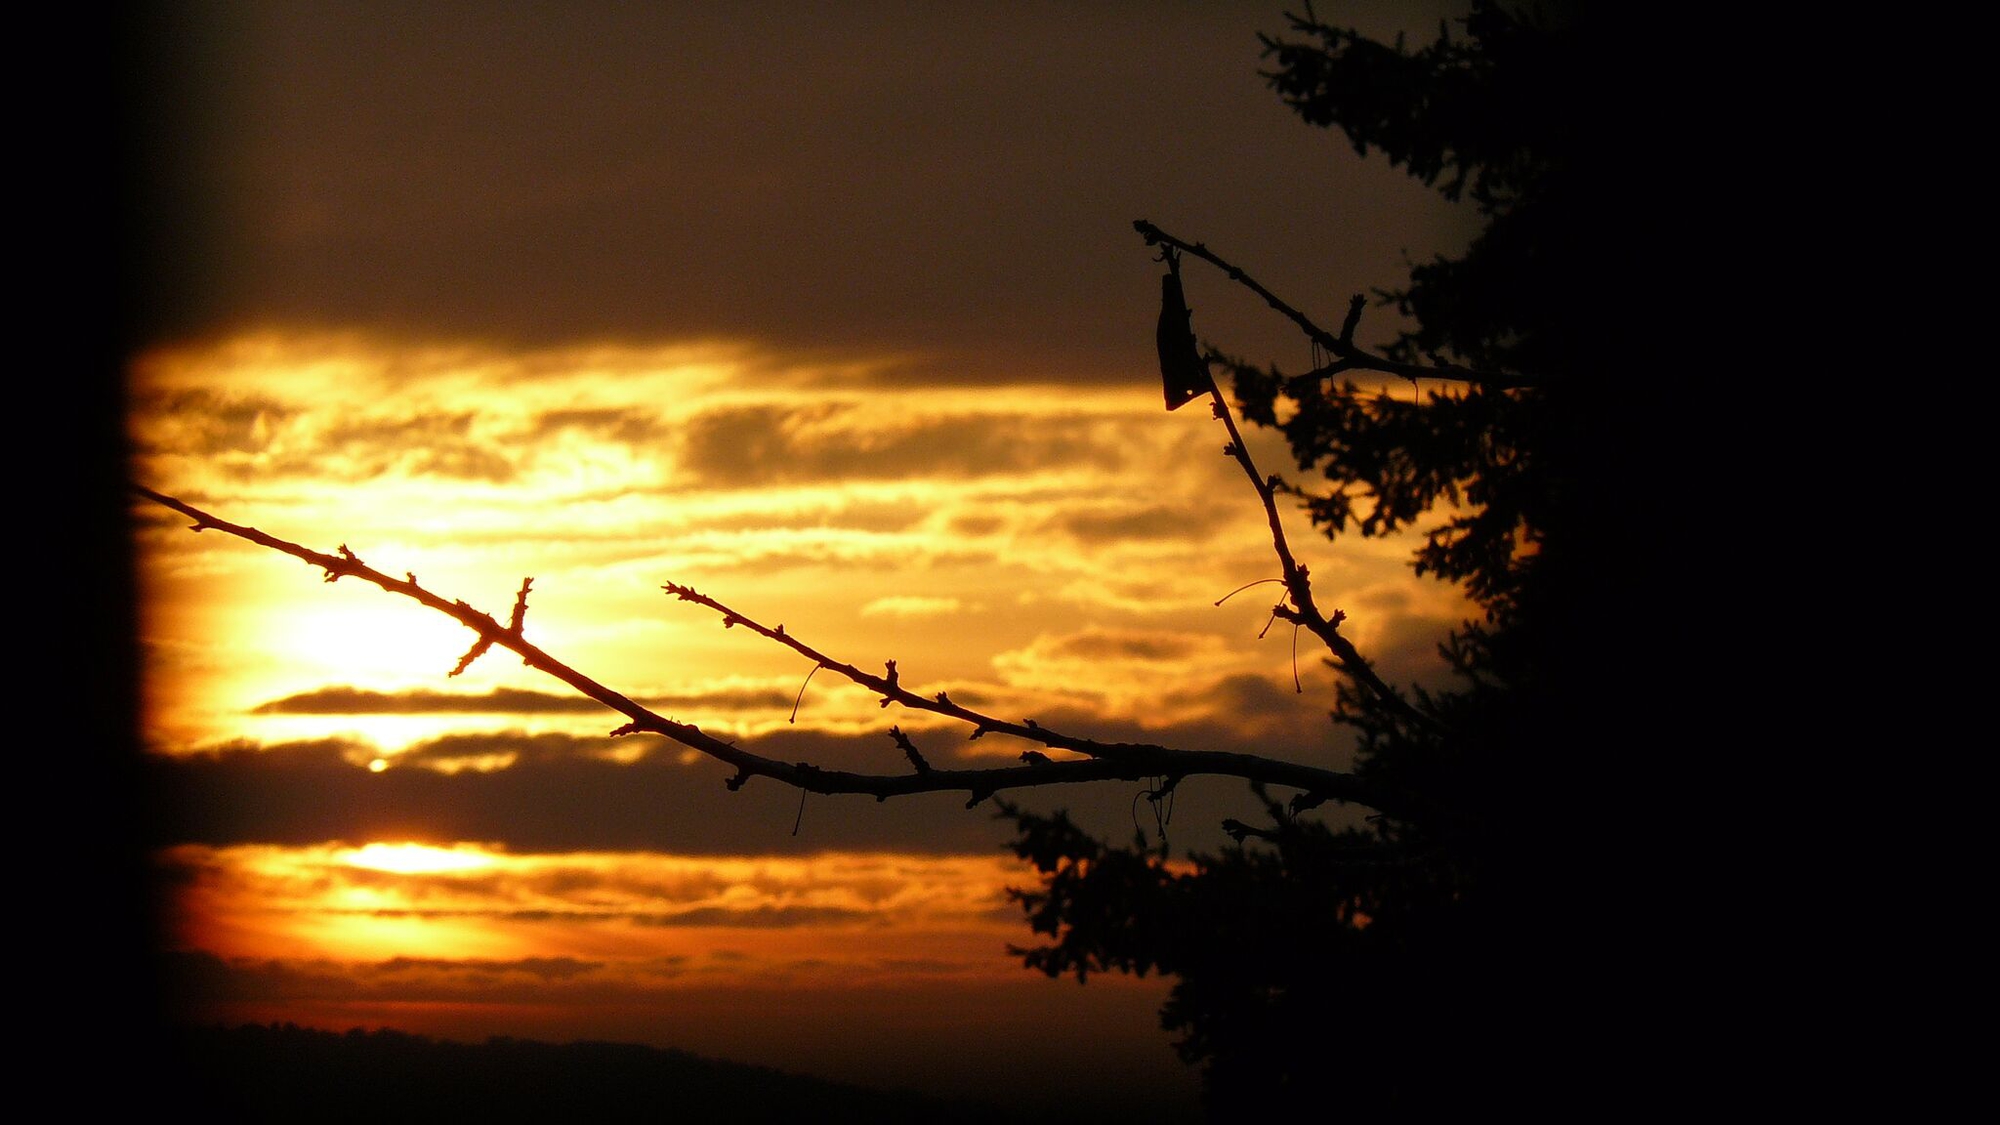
x: 1246, y: 586
x: 800, y: 698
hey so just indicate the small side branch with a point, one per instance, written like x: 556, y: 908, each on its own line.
x: 520, y: 614
x: 480, y: 646
x: 909, y: 750
x: 1342, y: 347
x: 478, y: 649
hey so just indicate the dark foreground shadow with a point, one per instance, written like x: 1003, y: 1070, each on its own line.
x: 293, y: 1074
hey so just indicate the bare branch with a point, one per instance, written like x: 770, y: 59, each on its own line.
x: 891, y: 690
x: 1298, y: 581
x: 1106, y: 761
x: 1347, y: 355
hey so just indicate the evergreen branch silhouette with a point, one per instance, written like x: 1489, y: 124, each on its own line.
x: 1109, y: 762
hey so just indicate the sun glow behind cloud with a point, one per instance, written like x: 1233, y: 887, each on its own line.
x: 417, y: 859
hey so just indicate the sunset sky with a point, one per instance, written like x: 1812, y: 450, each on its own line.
x: 834, y: 312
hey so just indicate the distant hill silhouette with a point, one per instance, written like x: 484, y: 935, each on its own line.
x: 289, y: 1073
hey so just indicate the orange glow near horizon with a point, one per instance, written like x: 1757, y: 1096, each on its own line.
x: 830, y: 920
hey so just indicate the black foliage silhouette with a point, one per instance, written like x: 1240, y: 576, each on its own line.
x: 1419, y: 963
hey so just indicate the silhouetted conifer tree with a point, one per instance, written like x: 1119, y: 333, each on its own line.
x: 1444, y: 956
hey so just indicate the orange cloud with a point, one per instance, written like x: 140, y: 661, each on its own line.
x: 833, y: 918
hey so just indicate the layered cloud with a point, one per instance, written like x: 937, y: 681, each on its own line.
x: 550, y: 792
x: 583, y: 906
x: 888, y: 438
x: 1033, y: 547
